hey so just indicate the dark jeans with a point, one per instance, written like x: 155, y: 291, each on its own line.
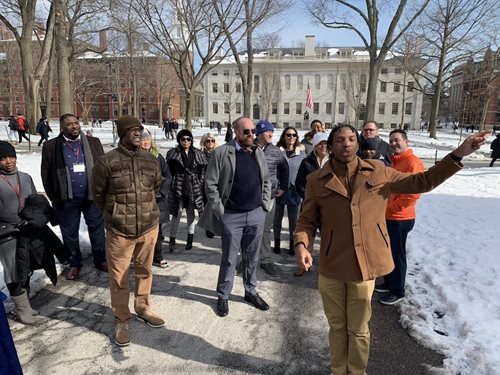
x: 398, y: 232
x: 493, y: 160
x: 22, y: 134
x: 43, y: 138
x: 293, y: 214
x: 69, y: 214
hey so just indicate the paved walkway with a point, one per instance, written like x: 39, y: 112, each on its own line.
x: 74, y: 334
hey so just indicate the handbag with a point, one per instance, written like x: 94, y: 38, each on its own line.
x: 7, y: 231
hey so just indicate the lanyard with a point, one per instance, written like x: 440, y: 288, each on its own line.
x: 16, y: 189
x: 77, y: 151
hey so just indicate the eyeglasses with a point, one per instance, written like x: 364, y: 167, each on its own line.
x: 248, y: 131
x: 369, y: 129
x: 291, y: 135
x: 186, y: 139
x: 210, y: 140
x: 136, y: 130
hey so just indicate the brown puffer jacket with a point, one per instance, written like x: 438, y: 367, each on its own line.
x: 125, y: 186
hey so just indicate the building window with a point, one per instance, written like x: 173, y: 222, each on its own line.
x: 298, y: 108
x: 256, y: 112
x: 226, y: 73
x: 362, y: 83
x: 341, y: 108
x: 215, y: 108
x: 238, y: 87
x: 381, y: 108
x: 410, y: 86
x: 362, y: 112
x: 226, y: 87
x: 286, y: 108
x: 397, y: 70
x: 328, y: 108
x: 256, y: 83
x: 298, y: 125
x: 396, y: 87
x: 316, y: 108
x: 143, y: 99
x: 300, y: 82
x: 383, y: 86
x: 214, y: 72
x: 329, y: 82
x: 383, y: 71
x: 408, y: 108
x: 274, y: 108
x: 226, y: 107
x: 214, y: 87
x: 238, y: 108
x: 287, y: 82
x: 395, y: 108
x: 317, y: 82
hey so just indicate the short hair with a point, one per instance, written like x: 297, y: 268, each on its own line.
x: 400, y: 131
x: 65, y: 116
x: 236, y: 122
x: 316, y: 120
x: 370, y: 122
x: 337, y: 128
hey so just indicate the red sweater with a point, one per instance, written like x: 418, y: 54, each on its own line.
x: 402, y: 206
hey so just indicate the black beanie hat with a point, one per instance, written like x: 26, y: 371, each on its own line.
x: 369, y: 144
x: 125, y: 123
x: 6, y: 150
x: 184, y: 133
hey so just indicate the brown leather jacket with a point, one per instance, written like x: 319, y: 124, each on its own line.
x: 355, y: 244
x: 125, y: 186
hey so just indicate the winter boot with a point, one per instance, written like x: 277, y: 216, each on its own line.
x: 171, y: 244
x: 291, y: 250
x: 189, y: 243
x: 277, y: 249
x: 23, y: 308
x: 33, y: 311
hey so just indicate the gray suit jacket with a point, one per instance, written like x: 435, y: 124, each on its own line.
x: 219, y: 182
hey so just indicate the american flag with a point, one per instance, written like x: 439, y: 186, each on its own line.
x: 309, y: 98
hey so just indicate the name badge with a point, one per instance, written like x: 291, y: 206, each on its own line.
x: 78, y: 168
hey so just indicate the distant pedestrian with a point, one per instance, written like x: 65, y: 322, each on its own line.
x: 13, y: 128
x: 229, y: 134
x: 125, y: 183
x: 495, y: 147
x: 43, y: 128
x: 100, y: 123
x: 315, y: 127
x: 22, y: 127
x: 175, y: 128
x: 219, y: 128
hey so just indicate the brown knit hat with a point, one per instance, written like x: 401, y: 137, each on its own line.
x: 125, y: 123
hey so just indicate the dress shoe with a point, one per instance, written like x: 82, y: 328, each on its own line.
x: 102, y: 267
x: 222, y: 307
x: 258, y: 302
x: 269, y: 268
x: 73, y: 273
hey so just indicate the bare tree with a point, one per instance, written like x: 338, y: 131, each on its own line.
x: 12, y: 63
x: 270, y: 85
x: 344, y: 14
x: 88, y: 85
x: 353, y: 84
x: 449, y: 33
x: 253, y: 13
x: 491, y: 66
x: 20, y: 18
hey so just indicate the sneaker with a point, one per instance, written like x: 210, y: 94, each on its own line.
x: 391, y: 299
x: 269, y: 268
x: 381, y: 288
x: 122, y: 334
x: 151, y: 318
x: 161, y: 263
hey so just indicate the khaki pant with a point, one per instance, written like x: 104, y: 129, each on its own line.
x: 119, y: 251
x: 348, y: 309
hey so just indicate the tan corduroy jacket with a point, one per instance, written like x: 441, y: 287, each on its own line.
x: 355, y: 244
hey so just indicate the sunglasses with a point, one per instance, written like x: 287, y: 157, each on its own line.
x: 136, y: 130
x: 248, y: 131
x: 210, y: 140
x: 186, y: 139
x: 291, y: 135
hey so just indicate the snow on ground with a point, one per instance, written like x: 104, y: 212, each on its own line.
x: 453, y: 286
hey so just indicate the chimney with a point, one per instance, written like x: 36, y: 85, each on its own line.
x: 309, y: 46
x: 103, y: 40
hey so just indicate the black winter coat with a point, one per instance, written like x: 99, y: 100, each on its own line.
x: 188, y: 176
x: 308, y: 165
x: 495, y: 147
x: 37, y: 243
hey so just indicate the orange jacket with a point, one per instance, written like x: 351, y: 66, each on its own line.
x: 402, y: 206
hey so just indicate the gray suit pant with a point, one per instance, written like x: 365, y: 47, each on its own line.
x: 265, y: 247
x: 240, y: 231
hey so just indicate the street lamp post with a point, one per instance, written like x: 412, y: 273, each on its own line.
x: 466, y: 93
